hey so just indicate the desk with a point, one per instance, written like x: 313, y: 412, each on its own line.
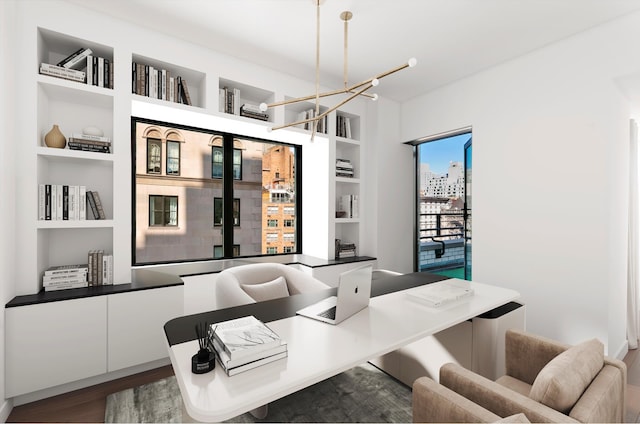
x: 317, y: 351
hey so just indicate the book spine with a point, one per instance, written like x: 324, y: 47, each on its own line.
x: 73, y: 203
x: 59, y: 202
x: 77, y: 277
x: 107, y: 72
x: 54, y: 202
x: 91, y: 266
x: 82, y: 203
x: 92, y: 205
x: 65, y: 202
x: 78, y: 58
x: 89, y: 137
x: 100, y: 72
x: 41, y: 202
x: 96, y: 198
x: 99, y: 268
x: 71, y: 56
x: 134, y: 78
x: 90, y: 70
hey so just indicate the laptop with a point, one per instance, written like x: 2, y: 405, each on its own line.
x: 354, y: 291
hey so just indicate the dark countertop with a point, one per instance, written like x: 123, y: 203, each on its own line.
x: 182, y: 329
x: 153, y: 277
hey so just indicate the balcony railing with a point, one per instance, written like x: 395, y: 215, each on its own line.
x: 441, y: 226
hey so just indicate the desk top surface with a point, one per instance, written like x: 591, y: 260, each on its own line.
x: 317, y: 351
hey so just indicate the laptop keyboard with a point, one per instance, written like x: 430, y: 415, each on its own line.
x: 329, y: 313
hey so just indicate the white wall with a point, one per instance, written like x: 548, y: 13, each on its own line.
x: 389, y: 189
x: 550, y: 143
x: 8, y: 139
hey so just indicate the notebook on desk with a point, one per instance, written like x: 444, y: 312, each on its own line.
x: 441, y: 293
x: 354, y: 291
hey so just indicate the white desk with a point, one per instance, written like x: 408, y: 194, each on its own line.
x: 317, y: 351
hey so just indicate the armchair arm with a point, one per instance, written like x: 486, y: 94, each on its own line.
x: 434, y: 403
x: 526, y: 354
x: 496, y: 398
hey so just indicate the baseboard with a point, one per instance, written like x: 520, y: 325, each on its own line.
x: 622, y: 352
x: 87, y: 382
x: 5, y: 410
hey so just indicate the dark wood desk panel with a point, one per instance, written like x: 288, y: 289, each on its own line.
x: 182, y: 329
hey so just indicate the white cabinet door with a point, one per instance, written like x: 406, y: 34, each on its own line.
x: 55, y: 343
x: 136, y: 325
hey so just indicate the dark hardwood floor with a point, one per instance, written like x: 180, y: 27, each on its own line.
x: 84, y: 405
x: 88, y: 405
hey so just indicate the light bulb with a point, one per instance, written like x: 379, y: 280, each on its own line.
x: 269, y: 129
x: 412, y: 62
x: 374, y: 98
x: 375, y: 82
x: 263, y: 107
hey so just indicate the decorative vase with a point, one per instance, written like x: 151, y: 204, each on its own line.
x: 55, y: 138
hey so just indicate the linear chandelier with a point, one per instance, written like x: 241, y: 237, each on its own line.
x: 353, y: 90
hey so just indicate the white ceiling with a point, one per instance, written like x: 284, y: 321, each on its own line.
x: 451, y: 39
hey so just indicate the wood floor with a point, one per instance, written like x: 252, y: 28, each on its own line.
x: 88, y: 405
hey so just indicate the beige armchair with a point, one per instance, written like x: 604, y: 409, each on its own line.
x: 546, y: 380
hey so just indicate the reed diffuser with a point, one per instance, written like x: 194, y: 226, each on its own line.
x: 205, y: 360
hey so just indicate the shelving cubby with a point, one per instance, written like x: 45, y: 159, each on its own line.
x: 347, y: 126
x: 54, y: 47
x: 195, y: 80
x: 248, y: 95
x: 293, y: 113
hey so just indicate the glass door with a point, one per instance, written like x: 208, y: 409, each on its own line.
x: 467, y: 209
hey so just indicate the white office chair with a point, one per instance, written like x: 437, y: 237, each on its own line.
x: 262, y: 281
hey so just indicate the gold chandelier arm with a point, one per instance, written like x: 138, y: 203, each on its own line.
x: 348, y: 99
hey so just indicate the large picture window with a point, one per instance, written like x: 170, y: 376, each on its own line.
x: 229, y: 194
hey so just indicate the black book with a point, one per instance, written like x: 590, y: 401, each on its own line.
x: 92, y: 205
x: 71, y: 56
x: 47, y: 202
x: 65, y: 202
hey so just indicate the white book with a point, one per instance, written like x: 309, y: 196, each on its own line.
x: 236, y: 101
x: 163, y: 85
x: 82, y: 203
x: 41, y: 201
x: 355, y: 207
x: 222, y: 101
x: 64, y: 278
x: 78, y: 59
x: 441, y: 293
x: 244, y: 336
x: 100, y: 72
x: 152, y: 74
x: 54, y: 202
x: 90, y: 70
x: 59, y: 202
x: 172, y: 91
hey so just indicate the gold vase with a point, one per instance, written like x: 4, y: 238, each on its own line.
x: 55, y: 138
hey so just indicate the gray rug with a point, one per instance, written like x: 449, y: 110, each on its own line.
x: 363, y: 394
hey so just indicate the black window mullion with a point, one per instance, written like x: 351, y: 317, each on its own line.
x: 227, y: 190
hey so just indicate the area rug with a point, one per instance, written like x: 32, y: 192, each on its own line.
x: 362, y: 394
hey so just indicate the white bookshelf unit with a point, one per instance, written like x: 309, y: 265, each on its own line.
x: 248, y: 95
x: 72, y: 106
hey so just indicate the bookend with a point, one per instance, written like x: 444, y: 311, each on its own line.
x: 205, y: 360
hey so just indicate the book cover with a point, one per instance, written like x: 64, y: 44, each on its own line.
x: 54, y: 202
x: 229, y: 363
x: 64, y: 278
x: 441, y: 293
x: 41, y: 202
x: 244, y: 336
x: 78, y: 60
x: 71, y: 56
x: 185, y: 92
x: 82, y: 203
x: 66, y: 269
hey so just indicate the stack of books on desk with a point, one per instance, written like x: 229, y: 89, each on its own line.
x: 245, y: 343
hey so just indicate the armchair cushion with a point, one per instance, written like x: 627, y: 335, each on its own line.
x: 268, y: 290
x: 562, y: 381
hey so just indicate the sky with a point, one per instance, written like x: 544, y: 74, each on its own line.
x: 439, y: 153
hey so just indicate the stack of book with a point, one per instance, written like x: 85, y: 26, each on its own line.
x: 90, y: 143
x: 311, y: 113
x: 343, y: 126
x: 229, y: 100
x: 245, y: 343
x: 99, y: 268
x: 344, y: 168
x: 349, y: 204
x: 60, y: 202
x: 65, y: 277
x: 345, y: 249
x: 82, y: 66
x: 253, y: 111
x: 157, y: 83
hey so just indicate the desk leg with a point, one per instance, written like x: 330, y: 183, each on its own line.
x: 186, y: 418
x: 261, y: 412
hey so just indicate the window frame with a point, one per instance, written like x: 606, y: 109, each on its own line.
x: 167, y: 158
x: 140, y: 211
x: 165, y: 213
x: 154, y: 142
